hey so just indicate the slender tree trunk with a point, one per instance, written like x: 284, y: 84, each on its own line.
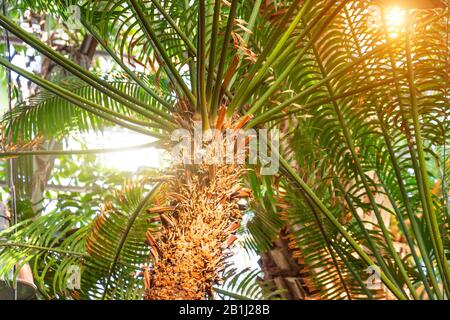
x: 284, y: 270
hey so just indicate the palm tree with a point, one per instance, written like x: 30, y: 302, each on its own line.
x: 360, y: 97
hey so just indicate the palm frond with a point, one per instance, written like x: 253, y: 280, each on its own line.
x: 108, y: 251
x: 57, y: 116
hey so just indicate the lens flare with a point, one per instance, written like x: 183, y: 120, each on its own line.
x: 395, y: 20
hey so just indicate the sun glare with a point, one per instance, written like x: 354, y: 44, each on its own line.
x: 395, y: 20
x: 129, y: 161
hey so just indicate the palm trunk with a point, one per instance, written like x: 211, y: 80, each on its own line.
x: 200, y: 219
x: 284, y: 270
x: 197, y: 229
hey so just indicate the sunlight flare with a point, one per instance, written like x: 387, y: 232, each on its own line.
x: 395, y: 20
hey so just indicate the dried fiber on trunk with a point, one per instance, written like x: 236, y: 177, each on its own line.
x: 198, y: 227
